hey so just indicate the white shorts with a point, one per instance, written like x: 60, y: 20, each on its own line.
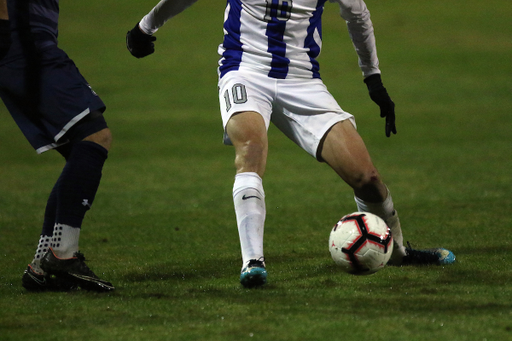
x: 303, y: 109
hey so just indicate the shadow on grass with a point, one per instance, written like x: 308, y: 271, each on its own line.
x: 207, y: 270
x: 313, y: 277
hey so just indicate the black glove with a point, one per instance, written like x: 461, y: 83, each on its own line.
x: 5, y: 37
x: 379, y: 95
x: 138, y: 43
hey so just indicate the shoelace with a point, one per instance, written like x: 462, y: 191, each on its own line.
x: 257, y: 262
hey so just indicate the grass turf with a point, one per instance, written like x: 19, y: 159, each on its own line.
x: 162, y: 227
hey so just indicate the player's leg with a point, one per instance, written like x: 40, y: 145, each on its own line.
x: 38, y: 100
x: 308, y: 114
x: 69, y: 200
x: 311, y: 117
x: 246, y: 106
x: 248, y: 134
x: 76, y: 188
x: 75, y: 191
x: 344, y: 150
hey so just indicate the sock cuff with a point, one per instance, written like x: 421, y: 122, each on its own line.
x: 90, y: 148
x: 248, y: 180
x: 65, y: 240
x: 384, y: 209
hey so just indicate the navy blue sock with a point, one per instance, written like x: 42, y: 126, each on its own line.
x: 50, y: 213
x: 77, y: 185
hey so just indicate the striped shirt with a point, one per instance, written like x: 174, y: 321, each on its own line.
x: 281, y: 38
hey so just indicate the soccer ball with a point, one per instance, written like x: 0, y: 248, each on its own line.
x: 361, y: 243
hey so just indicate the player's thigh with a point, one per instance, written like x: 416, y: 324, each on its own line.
x: 242, y: 92
x: 305, y: 111
x: 248, y: 134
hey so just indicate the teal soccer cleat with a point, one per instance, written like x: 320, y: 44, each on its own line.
x: 435, y: 256
x: 254, y: 274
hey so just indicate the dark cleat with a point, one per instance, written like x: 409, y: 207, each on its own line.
x: 40, y: 281
x: 74, y: 270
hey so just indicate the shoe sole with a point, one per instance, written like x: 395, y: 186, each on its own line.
x: 254, y: 278
x: 84, y: 282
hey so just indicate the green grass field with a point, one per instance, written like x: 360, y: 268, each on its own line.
x: 163, y: 230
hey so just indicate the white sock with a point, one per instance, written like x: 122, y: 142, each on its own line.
x: 386, y: 211
x: 249, y: 200
x: 65, y: 240
x: 42, y: 247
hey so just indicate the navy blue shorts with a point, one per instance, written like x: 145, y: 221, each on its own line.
x: 47, y: 96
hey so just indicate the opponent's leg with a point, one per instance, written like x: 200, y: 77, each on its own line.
x: 71, y: 197
x: 76, y: 190
x: 46, y: 233
x: 248, y: 134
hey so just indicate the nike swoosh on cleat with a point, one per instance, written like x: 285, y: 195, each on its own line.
x: 37, y: 280
x: 250, y: 196
x: 92, y: 280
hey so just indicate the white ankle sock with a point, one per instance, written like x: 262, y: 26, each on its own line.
x: 386, y: 211
x: 65, y: 240
x: 42, y: 247
x: 249, y: 201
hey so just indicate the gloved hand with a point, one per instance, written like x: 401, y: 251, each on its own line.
x: 379, y: 95
x: 5, y: 37
x: 138, y: 43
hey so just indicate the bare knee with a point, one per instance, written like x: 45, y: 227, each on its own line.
x: 102, y: 137
x: 368, y: 186
x: 250, y: 157
x: 344, y: 150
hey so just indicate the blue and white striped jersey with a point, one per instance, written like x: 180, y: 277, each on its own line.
x: 281, y: 38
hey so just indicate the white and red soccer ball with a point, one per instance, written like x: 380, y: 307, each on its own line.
x: 361, y: 243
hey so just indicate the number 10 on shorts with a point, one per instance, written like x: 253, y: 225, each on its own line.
x: 238, y: 95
